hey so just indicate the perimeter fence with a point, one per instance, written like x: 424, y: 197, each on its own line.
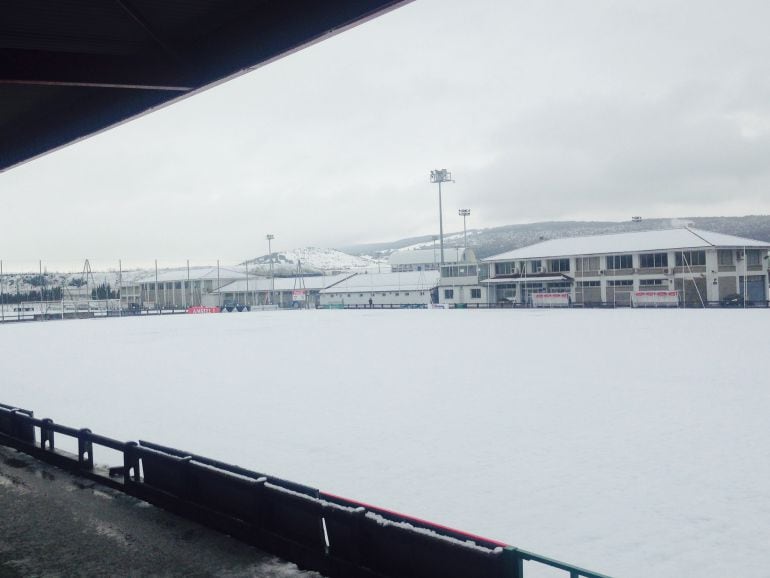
x: 316, y: 530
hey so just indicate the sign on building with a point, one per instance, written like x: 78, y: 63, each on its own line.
x: 298, y: 295
x: 199, y: 309
x: 550, y: 299
x: 655, y: 298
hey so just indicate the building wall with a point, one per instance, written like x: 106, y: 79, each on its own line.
x: 720, y: 275
x: 461, y: 289
x: 400, y: 297
x: 177, y: 294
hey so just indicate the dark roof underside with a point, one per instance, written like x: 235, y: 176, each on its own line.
x: 72, y: 68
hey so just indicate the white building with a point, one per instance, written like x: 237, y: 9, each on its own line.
x: 677, y: 266
x: 175, y: 288
x: 459, y: 282
x: 282, y: 291
x: 410, y: 289
x: 428, y: 259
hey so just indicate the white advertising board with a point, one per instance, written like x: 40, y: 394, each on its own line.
x: 550, y: 299
x: 655, y: 298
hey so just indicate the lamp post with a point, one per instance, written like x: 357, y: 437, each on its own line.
x: 441, y: 176
x: 272, y: 276
x: 464, y: 213
x: 435, y: 263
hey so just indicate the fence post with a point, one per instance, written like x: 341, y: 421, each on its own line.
x: 46, y: 434
x: 130, y: 462
x: 85, y: 450
x: 513, y: 563
x: 20, y: 429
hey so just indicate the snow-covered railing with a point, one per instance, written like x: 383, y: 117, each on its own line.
x: 316, y: 530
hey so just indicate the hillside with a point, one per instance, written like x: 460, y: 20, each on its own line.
x: 496, y: 240
x: 313, y: 259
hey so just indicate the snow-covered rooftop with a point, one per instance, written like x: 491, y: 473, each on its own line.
x: 684, y: 238
x: 411, y: 281
x: 283, y: 283
x: 196, y: 273
x: 419, y: 256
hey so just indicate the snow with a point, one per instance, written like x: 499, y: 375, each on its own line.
x: 628, y: 242
x: 284, y: 283
x: 629, y: 442
x: 316, y: 258
x: 419, y: 256
x: 407, y: 281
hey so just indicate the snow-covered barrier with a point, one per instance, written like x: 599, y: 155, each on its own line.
x: 316, y: 530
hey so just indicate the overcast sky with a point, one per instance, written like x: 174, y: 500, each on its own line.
x: 541, y: 110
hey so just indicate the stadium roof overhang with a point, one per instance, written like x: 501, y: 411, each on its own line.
x: 72, y: 69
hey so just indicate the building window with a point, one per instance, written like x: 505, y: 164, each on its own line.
x: 620, y: 283
x: 360, y: 294
x: 752, y: 257
x: 406, y: 293
x: 589, y: 283
x: 558, y: 265
x: 449, y: 293
x: 475, y: 293
x: 652, y: 282
x: 588, y: 263
x: 619, y: 262
x: 458, y: 271
x: 690, y: 258
x: 725, y: 257
x: 653, y: 260
x: 397, y: 294
x: 503, y: 268
x: 384, y: 295
x: 536, y: 266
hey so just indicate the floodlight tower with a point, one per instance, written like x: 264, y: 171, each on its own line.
x: 270, y: 238
x: 435, y: 238
x: 441, y: 176
x: 464, y: 213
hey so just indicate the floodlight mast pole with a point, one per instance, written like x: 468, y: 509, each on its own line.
x: 272, y: 276
x: 465, y: 213
x: 441, y: 176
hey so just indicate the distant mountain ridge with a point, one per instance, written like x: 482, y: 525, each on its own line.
x: 492, y: 241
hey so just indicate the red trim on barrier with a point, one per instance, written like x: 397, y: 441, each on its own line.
x: 419, y: 521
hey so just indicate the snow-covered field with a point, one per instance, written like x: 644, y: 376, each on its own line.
x: 634, y: 443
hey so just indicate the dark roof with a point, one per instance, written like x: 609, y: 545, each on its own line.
x: 71, y: 68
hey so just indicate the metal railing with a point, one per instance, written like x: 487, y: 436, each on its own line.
x: 316, y: 530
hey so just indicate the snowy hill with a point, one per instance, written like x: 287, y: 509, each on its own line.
x: 314, y: 259
x: 497, y: 240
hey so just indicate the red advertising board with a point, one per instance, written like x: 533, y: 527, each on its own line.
x: 199, y: 309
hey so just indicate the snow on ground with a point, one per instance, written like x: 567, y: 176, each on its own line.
x: 630, y: 442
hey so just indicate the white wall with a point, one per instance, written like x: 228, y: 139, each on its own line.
x: 400, y: 297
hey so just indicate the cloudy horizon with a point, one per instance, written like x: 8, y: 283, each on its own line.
x: 542, y: 111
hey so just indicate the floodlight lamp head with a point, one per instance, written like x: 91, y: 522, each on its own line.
x: 440, y: 176
x: 269, y: 237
